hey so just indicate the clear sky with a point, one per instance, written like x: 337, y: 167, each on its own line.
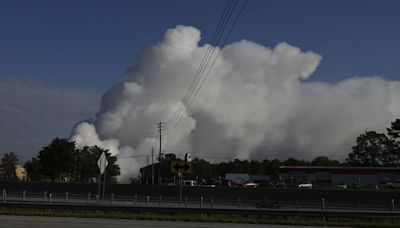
x: 65, y: 53
x: 91, y: 43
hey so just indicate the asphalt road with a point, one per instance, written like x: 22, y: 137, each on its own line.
x: 47, y: 222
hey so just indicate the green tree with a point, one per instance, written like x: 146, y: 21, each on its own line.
x: 394, y: 130
x: 295, y: 162
x: 324, y: 161
x: 165, y: 168
x: 8, y: 164
x: 57, y: 159
x: 86, y: 169
x: 201, y: 169
x: 271, y: 167
x: 370, y: 150
x: 238, y: 166
x: 33, y: 168
x: 392, y: 156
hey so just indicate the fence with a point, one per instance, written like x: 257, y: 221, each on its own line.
x: 202, y: 201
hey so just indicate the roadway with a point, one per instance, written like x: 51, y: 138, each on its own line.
x: 64, y: 222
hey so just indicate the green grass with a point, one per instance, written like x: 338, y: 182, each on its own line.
x: 206, y: 218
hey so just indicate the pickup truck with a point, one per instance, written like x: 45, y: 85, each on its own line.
x: 393, y: 185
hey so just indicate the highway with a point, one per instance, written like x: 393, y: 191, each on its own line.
x: 61, y: 222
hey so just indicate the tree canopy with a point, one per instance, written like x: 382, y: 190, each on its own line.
x: 374, y: 149
x: 86, y: 165
x: 62, y: 161
x: 57, y: 159
x: 8, y: 165
x: 33, y: 169
x: 324, y: 161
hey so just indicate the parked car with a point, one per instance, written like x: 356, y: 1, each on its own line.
x: 342, y: 185
x: 210, y: 183
x: 307, y: 185
x: 232, y: 184
x: 393, y: 185
x: 262, y: 183
x: 189, y: 183
x: 250, y: 185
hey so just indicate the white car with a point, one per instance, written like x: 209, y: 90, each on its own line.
x: 305, y: 185
x: 191, y: 183
x: 250, y: 185
x: 342, y: 185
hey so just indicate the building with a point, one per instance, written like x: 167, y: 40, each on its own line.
x: 332, y: 176
x: 20, y: 173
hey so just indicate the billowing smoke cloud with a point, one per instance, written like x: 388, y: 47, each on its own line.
x: 255, y: 104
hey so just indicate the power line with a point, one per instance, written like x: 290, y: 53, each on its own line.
x: 192, y: 90
x: 227, y: 13
x: 204, y: 60
x: 133, y: 156
x: 200, y: 79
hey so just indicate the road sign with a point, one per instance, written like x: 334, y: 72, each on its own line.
x: 102, y: 163
x: 188, y: 157
x: 179, y: 166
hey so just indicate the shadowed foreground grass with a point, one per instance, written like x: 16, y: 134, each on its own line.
x: 373, y: 223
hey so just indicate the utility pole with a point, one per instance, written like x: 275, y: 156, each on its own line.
x: 75, y: 166
x: 152, y: 166
x: 159, y: 154
x: 147, y: 165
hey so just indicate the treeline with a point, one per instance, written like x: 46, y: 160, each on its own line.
x: 62, y: 161
x: 372, y: 149
x: 202, y: 169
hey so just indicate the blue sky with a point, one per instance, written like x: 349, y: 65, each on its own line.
x: 90, y: 44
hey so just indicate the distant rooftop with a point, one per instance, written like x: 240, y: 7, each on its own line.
x: 339, y: 169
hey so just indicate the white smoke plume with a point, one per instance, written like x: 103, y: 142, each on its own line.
x: 255, y: 104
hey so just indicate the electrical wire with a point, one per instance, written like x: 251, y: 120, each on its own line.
x: 223, y: 21
x: 202, y: 77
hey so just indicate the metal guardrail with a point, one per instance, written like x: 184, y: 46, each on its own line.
x: 212, y: 211
x: 294, y: 198
x: 209, y: 202
x: 136, y: 200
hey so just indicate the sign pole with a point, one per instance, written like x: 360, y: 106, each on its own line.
x: 102, y: 164
x: 180, y: 187
x: 180, y: 167
x: 104, y: 185
x: 99, y: 181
